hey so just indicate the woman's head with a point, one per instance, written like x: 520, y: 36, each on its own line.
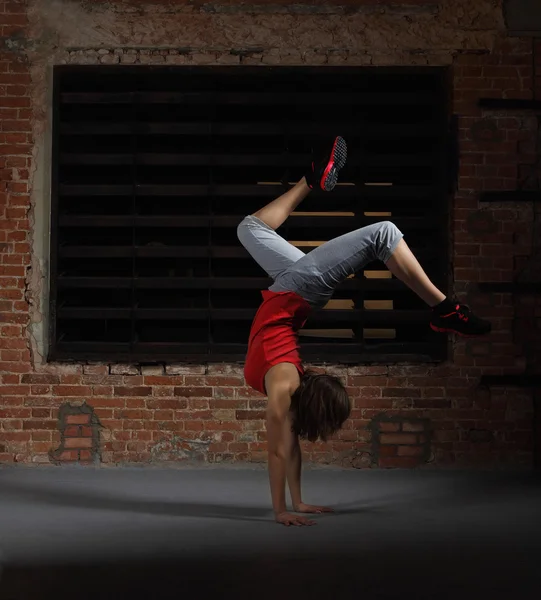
x: 319, y: 406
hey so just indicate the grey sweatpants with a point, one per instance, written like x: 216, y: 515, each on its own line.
x: 315, y: 276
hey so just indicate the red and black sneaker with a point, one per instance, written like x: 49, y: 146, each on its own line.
x: 324, y: 170
x: 458, y: 318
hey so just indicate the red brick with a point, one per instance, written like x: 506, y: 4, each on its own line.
x: 246, y: 392
x: 224, y: 381
x: 164, y: 403
x: 196, y: 392
x: 135, y: 414
x: 14, y: 78
x: 49, y: 401
x: 41, y: 413
x: 17, y: 161
x: 16, y: 436
x: 12, y: 271
x: 397, y: 438
x: 8, y: 282
x: 141, y: 403
x: 386, y: 451
x: 243, y: 447
x: 204, y: 404
x: 72, y: 390
x: 85, y: 455
x: 72, y: 431
x: 217, y: 447
x: 162, y: 379
x: 136, y: 447
x: 40, y: 447
x: 219, y: 426
x: 15, y: 413
x: 12, y: 344
x: 48, y: 425
x: 40, y: 378
x: 102, y: 390
x: 162, y: 391
x: 19, y: 126
x: 15, y: 390
x: 163, y: 415
x: 226, y: 403
x: 80, y: 419
x: 133, y: 391
x: 78, y: 443
x: 95, y: 370
x: 412, y: 426
x: 366, y: 381
x: 70, y: 379
x: 410, y: 450
x: 196, y: 414
x: 68, y: 455
x: 194, y: 425
x: 386, y: 426
x: 17, y: 67
x: 401, y: 392
x: 11, y: 400
x: 15, y: 102
x: 258, y: 403
x: 16, y: 259
x: 244, y: 415
x: 369, y: 397
x: 132, y: 380
x: 128, y: 424
x: 108, y: 402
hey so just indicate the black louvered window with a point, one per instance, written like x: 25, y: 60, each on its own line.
x: 153, y: 169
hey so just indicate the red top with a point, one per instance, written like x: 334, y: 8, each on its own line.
x: 274, y: 335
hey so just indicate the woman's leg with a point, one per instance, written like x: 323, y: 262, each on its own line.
x: 448, y: 315
x: 317, y: 274
x: 276, y: 212
x: 257, y: 232
x: 404, y: 266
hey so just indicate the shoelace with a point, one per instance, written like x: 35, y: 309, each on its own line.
x: 462, y: 313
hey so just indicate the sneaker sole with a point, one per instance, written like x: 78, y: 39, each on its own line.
x: 465, y: 335
x: 336, y: 162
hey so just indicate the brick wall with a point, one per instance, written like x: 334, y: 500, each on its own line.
x: 403, y: 415
x: 15, y: 162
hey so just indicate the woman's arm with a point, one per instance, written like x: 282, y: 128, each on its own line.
x: 285, y: 462
x: 278, y: 423
x: 294, y: 469
x: 283, y: 454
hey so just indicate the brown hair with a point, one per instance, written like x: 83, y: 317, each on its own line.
x: 319, y: 406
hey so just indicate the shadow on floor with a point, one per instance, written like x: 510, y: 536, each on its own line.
x: 90, y: 500
x: 467, y: 491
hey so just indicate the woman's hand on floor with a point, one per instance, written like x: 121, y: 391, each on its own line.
x: 288, y: 519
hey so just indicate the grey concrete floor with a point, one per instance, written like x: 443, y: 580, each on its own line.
x: 148, y: 533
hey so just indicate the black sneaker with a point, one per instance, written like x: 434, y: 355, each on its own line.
x: 324, y: 170
x: 461, y: 320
